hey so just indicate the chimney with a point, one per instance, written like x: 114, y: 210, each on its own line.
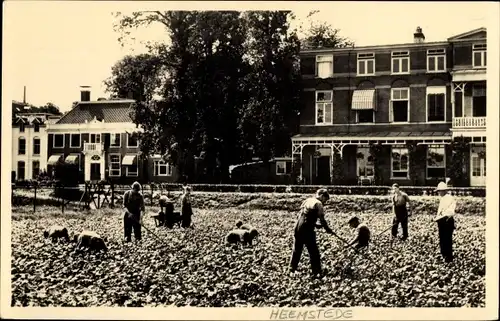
x: 24, y: 96
x: 418, y: 36
x: 84, y: 93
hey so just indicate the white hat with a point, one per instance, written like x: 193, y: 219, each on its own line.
x: 442, y: 186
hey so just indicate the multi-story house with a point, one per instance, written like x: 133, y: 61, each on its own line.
x: 468, y: 81
x: 29, y: 142
x: 100, y: 139
x: 389, y: 111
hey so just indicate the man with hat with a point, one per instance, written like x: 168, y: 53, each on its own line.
x: 305, y: 235
x: 133, y: 204
x: 445, y: 220
x: 400, y: 201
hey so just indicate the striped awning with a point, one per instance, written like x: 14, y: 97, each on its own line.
x: 363, y: 99
x: 53, y: 159
x: 129, y: 159
x: 72, y: 159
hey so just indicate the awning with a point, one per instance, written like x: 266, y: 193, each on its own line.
x: 128, y: 159
x: 363, y: 99
x: 72, y: 159
x: 54, y: 159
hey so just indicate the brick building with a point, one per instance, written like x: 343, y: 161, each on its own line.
x: 100, y: 139
x: 390, y: 112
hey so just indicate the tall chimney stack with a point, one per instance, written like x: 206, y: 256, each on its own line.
x: 84, y: 93
x: 24, y: 96
x: 418, y: 36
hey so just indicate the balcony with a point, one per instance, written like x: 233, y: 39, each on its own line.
x: 469, y: 122
x: 93, y: 148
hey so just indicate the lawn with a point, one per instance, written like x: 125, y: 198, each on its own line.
x: 194, y: 267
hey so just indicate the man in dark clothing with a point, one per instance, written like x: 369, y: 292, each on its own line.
x: 186, y: 209
x: 133, y: 204
x: 400, y: 200
x: 362, y: 234
x: 311, y: 210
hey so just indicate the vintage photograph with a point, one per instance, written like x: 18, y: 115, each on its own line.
x: 248, y: 158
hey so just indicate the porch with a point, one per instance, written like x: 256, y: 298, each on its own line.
x: 351, y: 160
x: 469, y: 100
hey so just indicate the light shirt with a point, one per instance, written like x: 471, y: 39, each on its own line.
x: 447, y: 207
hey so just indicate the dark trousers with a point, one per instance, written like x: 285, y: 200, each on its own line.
x: 186, y: 221
x: 130, y: 224
x: 307, y: 239
x: 401, y: 217
x: 445, y: 228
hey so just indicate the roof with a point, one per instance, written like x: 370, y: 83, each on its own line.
x: 481, y: 32
x: 109, y: 111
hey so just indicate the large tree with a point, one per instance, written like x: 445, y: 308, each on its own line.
x: 274, y: 84
x: 199, y: 110
x: 321, y: 34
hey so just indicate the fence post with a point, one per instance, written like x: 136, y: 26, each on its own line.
x: 152, y: 188
x: 34, y: 201
x: 112, y: 195
x: 62, y: 198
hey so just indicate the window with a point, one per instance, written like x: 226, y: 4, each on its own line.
x: 324, y: 107
x: 21, y: 149
x: 366, y: 64
x: 20, y: 170
x: 115, y: 140
x: 75, y: 140
x: 479, y: 56
x: 132, y: 140
x: 436, y: 104
x: 283, y: 167
x: 36, y: 146
x: 22, y: 126
x: 400, y: 62
x: 365, y: 162
x: 400, y: 163
x: 36, y: 169
x: 365, y: 116
x: 95, y: 138
x: 400, y: 105
x: 479, y: 101
x: 115, y: 168
x: 58, y: 141
x: 37, y: 127
x: 324, y: 66
x: 132, y: 170
x: 162, y: 169
x: 436, y: 162
x: 436, y: 60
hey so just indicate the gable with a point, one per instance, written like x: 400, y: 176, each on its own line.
x: 479, y: 33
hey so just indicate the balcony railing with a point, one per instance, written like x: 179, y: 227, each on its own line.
x: 92, y: 148
x: 469, y: 122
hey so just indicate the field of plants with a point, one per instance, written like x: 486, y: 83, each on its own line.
x: 193, y: 267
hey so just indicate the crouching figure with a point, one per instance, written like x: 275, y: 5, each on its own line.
x: 56, y: 232
x: 90, y: 240
x: 238, y: 236
x: 254, y: 233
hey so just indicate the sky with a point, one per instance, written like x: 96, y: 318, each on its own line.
x: 53, y: 48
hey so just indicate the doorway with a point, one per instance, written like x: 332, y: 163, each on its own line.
x: 323, y: 164
x: 478, y: 166
x: 95, y: 171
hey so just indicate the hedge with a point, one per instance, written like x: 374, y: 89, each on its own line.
x: 300, y: 189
